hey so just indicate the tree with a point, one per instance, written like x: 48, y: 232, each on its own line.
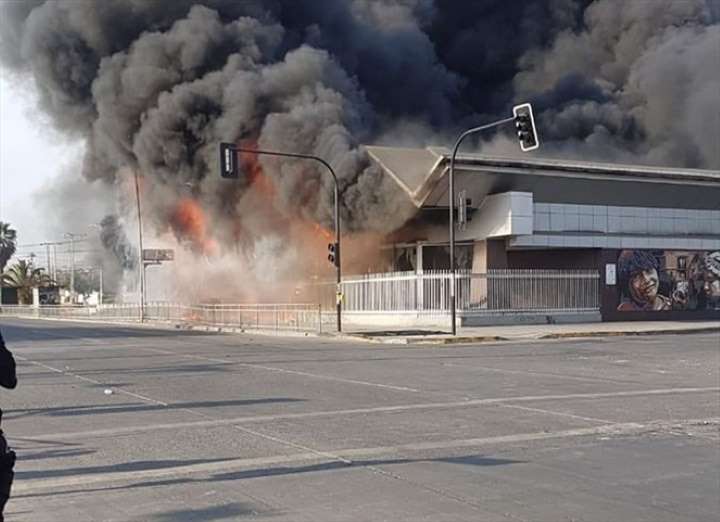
x: 8, y: 240
x: 24, y: 276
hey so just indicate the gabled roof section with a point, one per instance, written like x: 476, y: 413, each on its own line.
x: 412, y: 169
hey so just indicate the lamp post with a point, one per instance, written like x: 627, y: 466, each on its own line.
x: 141, y: 261
x: 231, y: 167
x: 525, y: 123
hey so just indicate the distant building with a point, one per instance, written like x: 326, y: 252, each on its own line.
x: 652, y: 233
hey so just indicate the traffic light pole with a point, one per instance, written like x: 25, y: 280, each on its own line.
x: 338, y: 305
x: 451, y: 195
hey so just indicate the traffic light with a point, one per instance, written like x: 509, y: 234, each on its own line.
x: 228, y: 161
x: 334, y: 253
x: 525, y: 125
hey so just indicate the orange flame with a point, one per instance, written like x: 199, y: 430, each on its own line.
x: 251, y: 166
x: 324, y: 232
x: 189, y: 222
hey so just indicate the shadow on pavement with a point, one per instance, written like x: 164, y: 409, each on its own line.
x: 53, y: 454
x: 224, y: 512
x: 139, y: 465
x: 467, y: 460
x: 93, y: 409
x: 36, y: 330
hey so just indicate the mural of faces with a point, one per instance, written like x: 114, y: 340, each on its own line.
x: 668, y: 280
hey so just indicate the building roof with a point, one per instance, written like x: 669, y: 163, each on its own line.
x: 422, y: 174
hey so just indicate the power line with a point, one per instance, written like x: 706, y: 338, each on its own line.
x: 51, y: 243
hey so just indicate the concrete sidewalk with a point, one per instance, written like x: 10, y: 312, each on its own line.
x: 523, y: 332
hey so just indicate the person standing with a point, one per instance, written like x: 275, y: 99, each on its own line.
x: 8, y: 379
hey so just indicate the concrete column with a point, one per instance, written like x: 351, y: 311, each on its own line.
x: 419, y: 279
x: 479, y: 286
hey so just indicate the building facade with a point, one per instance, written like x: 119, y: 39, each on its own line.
x: 653, y: 234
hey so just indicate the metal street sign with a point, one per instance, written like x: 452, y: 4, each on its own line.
x: 158, y: 254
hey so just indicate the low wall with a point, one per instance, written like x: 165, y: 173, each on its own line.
x: 419, y: 320
x: 394, y: 319
x: 471, y: 319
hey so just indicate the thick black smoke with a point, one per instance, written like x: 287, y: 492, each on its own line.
x: 113, y: 238
x: 154, y: 86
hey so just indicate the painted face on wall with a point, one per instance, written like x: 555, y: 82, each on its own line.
x: 644, y: 286
x: 712, y: 288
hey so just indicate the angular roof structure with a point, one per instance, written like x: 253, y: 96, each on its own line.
x: 422, y: 174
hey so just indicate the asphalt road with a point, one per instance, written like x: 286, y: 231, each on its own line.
x: 223, y: 427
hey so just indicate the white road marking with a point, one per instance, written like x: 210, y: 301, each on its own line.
x: 361, y: 411
x: 540, y: 374
x: 92, y: 381
x: 558, y: 413
x: 356, y: 454
x: 284, y: 370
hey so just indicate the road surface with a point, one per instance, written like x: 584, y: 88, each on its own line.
x: 135, y: 424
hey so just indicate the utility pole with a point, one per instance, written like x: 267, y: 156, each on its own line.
x: 47, y: 258
x: 141, y: 265
x: 72, y: 237
x: 100, y: 268
x: 100, y: 291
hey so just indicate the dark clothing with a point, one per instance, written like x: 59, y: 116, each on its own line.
x: 7, y: 473
x: 8, y: 379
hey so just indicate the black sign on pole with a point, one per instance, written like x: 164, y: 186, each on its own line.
x: 228, y: 161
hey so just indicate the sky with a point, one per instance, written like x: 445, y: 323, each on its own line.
x: 31, y: 156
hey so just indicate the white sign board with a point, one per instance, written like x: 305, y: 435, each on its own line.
x: 610, y: 274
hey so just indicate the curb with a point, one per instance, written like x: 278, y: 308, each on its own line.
x: 633, y: 333
x: 549, y: 336
x: 399, y: 340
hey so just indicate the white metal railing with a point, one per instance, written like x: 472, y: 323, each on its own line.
x: 494, y: 292
x: 428, y: 293
x: 286, y: 317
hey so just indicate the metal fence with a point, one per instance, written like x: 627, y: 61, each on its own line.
x: 427, y: 294
x: 497, y: 291
x: 280, y: 317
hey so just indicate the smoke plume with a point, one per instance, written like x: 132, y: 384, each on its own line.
x: 153, y: 87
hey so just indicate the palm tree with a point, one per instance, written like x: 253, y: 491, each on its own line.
x: 24, y: 276
x: 8, y: 239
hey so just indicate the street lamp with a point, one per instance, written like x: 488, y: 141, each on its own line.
x: 229, y: 169
x: 527, y: 134
x: 141, y: 260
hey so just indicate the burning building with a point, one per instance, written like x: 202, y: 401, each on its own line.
x: 153, y: 87
x: 661, y: 224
